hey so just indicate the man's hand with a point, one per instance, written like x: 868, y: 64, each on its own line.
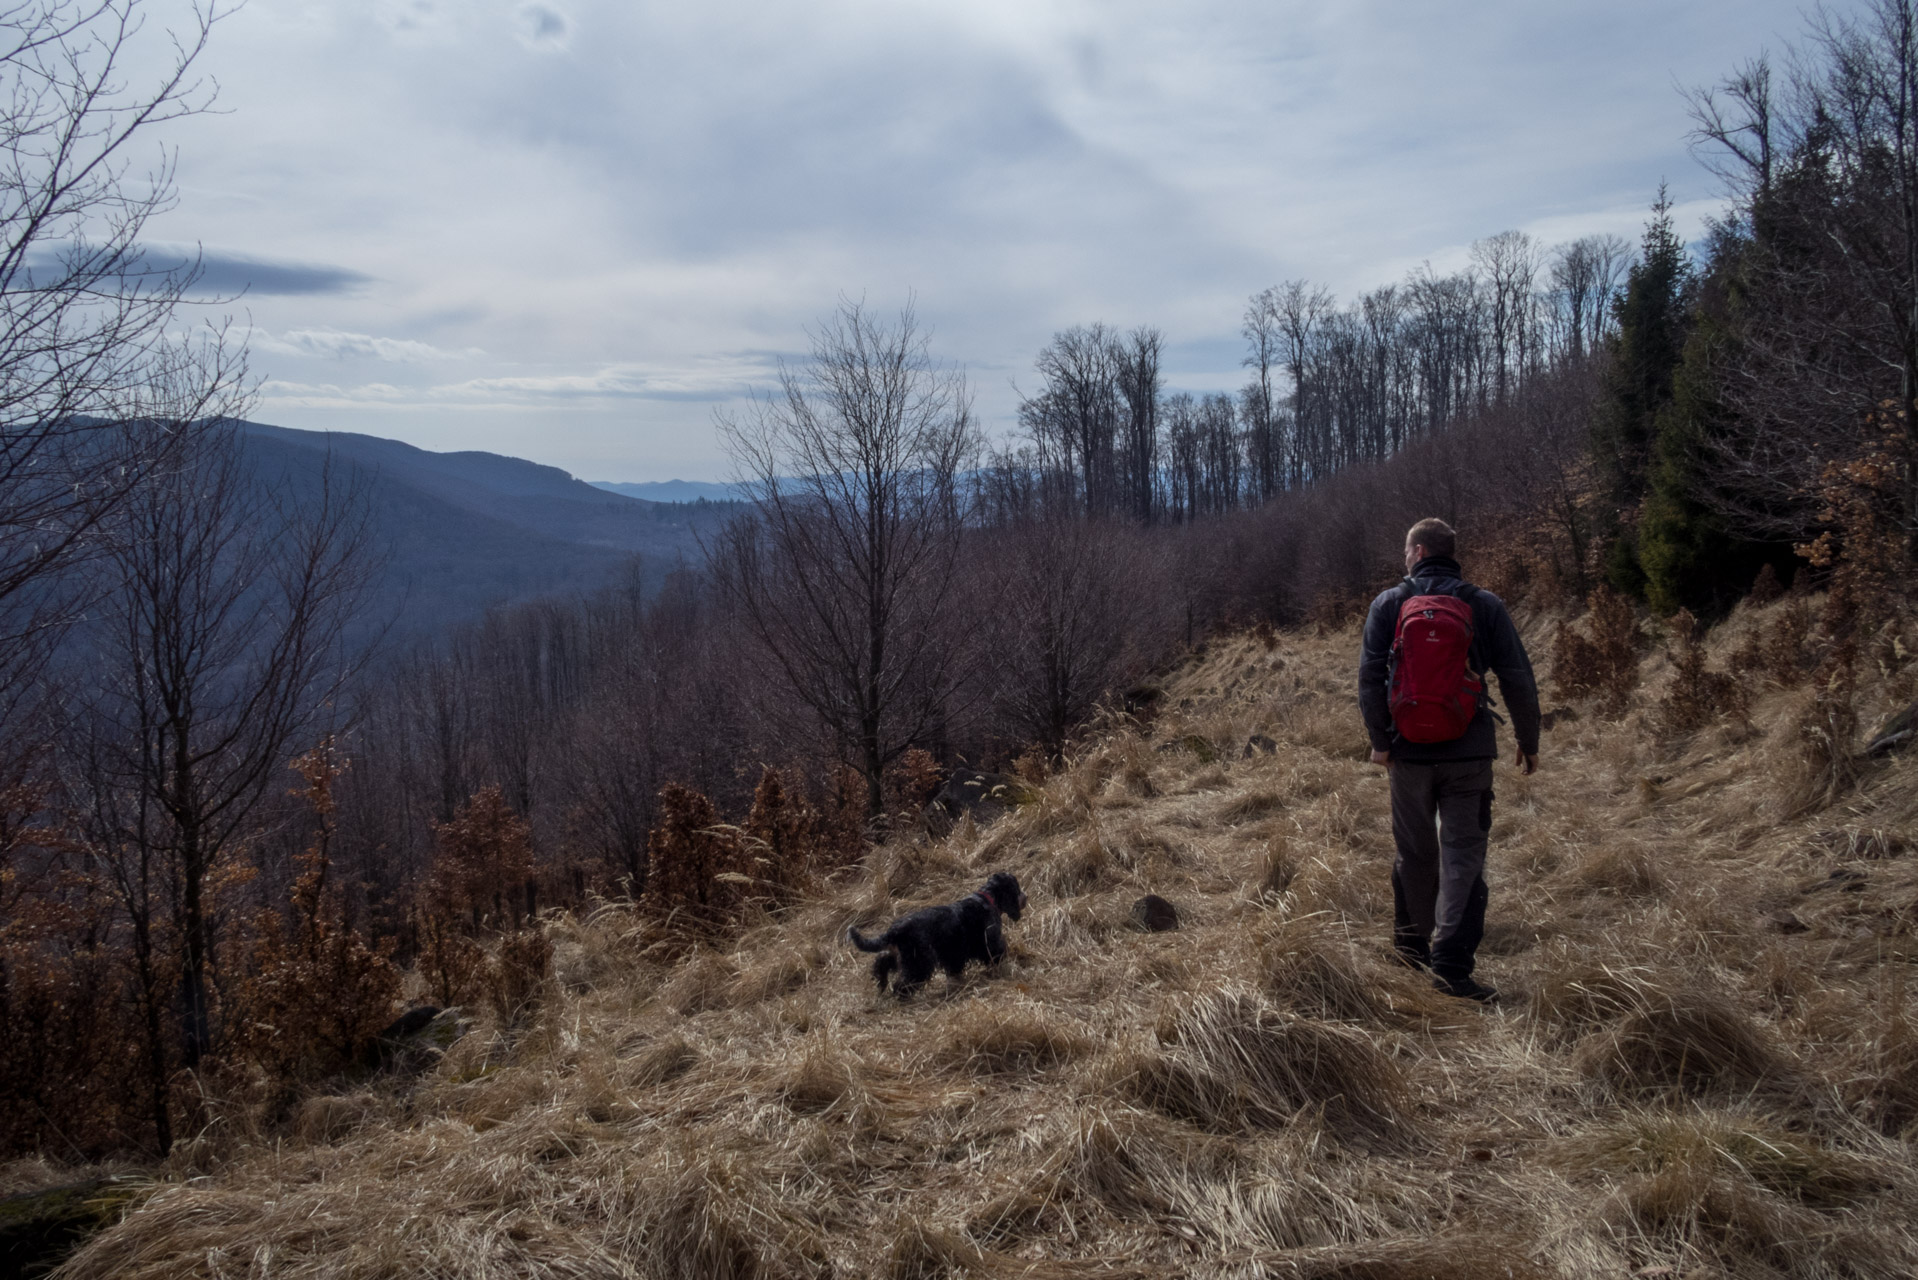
x: 1382, y: 757
x: 1527, y: 765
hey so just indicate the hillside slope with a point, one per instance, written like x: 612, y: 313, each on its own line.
x: 1703, y: 1065
x: 465, y: 531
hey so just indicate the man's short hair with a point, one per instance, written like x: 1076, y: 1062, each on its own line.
x: 1437, y: 537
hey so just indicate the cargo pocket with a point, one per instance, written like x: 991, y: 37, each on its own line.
x: 1485, y: 810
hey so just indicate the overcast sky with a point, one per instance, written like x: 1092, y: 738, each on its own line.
x: 572, y: 230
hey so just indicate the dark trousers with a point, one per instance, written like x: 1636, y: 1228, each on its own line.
x: 1441, y: 814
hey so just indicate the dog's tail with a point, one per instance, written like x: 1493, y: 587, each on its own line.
x: 864, y: 943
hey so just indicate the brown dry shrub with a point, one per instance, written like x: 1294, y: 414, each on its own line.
x: 1784, y: 647
x: 788, y: 839
x: 1696, y: 697
x: 704, y: 981
x: 1604, y: 665
x: 1765, y: 587
x: 1135, y: 1165
x: 1572, y: 1001
x: 452, y: 964
x: 913, y: 778
x: 1033, y: 767
x: 482, y: 865
x: 696, y: 879
x: 1088, y: 862
x: 516, y: 975
x: 315, y: 990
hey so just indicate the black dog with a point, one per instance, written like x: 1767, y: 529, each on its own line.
x: 947, y: 936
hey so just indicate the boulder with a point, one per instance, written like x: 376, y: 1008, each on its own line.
x: 986, y: 796
x: 38, y: 1229
x: 1154, y: 914
x: 416, y: 1039
x: 1258, y: 744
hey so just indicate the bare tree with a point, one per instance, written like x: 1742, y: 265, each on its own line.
x: 216, y: 656
x: 1265, y: 353
x: 85, y: 310
x: 1080, y: 605
x: 1509, y: 263
x: 1735, y: 128
x: 1299, y: 307
x: 841, y: 569
x: 1138, y: 378
x: 1074, y: 421
x: 1585, y: 277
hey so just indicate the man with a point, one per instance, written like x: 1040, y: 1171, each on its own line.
x: 1442, y: 789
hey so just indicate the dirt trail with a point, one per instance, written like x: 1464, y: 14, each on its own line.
x: 1705, y: 1060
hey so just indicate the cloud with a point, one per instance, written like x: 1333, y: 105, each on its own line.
x: 542, y: 27
x: 689, y: 180
x: 226, y: 274
x: 333, y: 344
x: 712, y: 381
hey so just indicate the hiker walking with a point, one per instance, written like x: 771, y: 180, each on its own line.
x: 1428, y: 643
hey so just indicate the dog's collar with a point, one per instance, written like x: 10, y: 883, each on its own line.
x: 981, y: 893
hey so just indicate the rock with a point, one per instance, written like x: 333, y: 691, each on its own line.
x: 1895, y: 733
x: 1258, y: 744
x: 38, y: 1229
x: 1787, y: 922
x: 1154, y: 914
x: 416, y: 1039
x: 410, y: 1023
x: 986, y: 796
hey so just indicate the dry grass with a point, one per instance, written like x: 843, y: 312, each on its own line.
x: 1678, y: 1084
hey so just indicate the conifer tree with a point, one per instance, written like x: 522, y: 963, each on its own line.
x: 1652, y: 324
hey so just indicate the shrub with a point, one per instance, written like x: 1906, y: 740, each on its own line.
x: 1604, y: 665
x: 1697, y: 696
x: 696, y: 878
x: 316, y: 989
x: 483, y: 864
x: 516, y: 976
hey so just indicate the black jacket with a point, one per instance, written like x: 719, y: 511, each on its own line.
x: 1495, y: 647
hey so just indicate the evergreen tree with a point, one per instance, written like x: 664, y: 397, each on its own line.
x: 1649, y: 342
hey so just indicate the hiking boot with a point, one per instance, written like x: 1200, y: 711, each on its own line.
x: 1466, y: 989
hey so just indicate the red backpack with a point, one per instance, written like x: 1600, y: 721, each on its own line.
x: 1434, y: 693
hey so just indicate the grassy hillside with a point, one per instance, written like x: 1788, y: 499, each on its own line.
x: 1705, y: 1064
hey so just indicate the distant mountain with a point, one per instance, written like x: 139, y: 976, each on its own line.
x: 671, y: 490
x: 467, y: 531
